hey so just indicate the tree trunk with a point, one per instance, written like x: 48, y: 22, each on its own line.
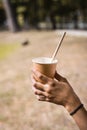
x: 53, y: 21
x: 33, y: 10
x: 11, y: 16
x: 75, y: 20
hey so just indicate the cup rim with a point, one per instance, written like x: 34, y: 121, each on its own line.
x: 35, y: 60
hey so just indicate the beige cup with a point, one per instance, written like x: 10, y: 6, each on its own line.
x: 45, y: 65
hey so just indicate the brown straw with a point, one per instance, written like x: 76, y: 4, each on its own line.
x: 58, y: 46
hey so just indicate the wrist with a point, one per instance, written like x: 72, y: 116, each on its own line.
x: 72, y: 103
x: 76, y: 109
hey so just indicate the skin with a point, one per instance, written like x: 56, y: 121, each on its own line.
x: 60, y: 92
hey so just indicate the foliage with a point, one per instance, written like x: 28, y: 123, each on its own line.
x: 35, y: 11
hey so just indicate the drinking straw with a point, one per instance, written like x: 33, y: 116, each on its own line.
x: 58, y: 46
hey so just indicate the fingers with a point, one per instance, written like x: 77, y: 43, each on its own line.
x: 37, y: 91
x: 39, y: 94
x: 43, y: 87
x: 37, y: 85
x: 42, y: 96
x: 43, y: 92
x: 40, y: 77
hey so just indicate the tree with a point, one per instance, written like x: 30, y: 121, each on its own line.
x: 38, y: 10
x: 49, y: 7
x: 11, y: 16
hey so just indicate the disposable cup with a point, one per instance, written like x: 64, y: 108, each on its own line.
x: 45, y: 65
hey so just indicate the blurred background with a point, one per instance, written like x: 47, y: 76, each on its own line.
x: 32, y: 28
x: 38, y: 14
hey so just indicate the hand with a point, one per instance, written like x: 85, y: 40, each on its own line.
x: 56, y: 90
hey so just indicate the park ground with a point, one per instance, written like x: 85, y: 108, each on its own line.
x: 19, y: 108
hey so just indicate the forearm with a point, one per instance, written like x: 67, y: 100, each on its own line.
x: 80, y: 118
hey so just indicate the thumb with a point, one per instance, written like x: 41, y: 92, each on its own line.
x: 59, y: 77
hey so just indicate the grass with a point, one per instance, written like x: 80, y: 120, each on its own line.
x: 7, y: 49
x: 3, y: 118
x: 6, y: 97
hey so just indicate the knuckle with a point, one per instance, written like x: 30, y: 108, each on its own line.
x: 52, y: 84
x: 48, y: 99
x: 35, y: 84
x: 35, y: 92
x: 40, y: 76
x: 49, y: 96
x: 48, y: 89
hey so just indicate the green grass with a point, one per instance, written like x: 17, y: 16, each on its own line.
x: 7, y: 49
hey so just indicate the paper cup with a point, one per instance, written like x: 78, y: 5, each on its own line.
x: 45, y: 65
